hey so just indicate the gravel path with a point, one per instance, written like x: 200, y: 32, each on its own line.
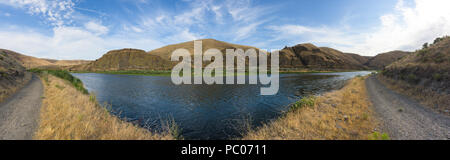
x: 405, y: 119
x: 19, y: 114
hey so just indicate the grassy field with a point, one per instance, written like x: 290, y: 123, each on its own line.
x: 69, y: 114
x: 340, y: 115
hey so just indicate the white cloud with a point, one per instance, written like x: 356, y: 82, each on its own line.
x: 298, y: 30
x: 406, y: 29
x: 69, y: 43
x: 57, y: 12
x: 96, y: 28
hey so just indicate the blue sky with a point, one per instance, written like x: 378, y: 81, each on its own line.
x: 86, y: 29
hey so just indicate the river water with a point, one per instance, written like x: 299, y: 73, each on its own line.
x: 204, y: 111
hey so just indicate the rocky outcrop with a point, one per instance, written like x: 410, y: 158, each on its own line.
x: 126, y: 59
x: 312, y: 57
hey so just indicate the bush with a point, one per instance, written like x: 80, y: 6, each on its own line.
x: 437, y: 77
x: 63, y: 75
x: 411, y: 78
x: 309, y: 101
x: 378, y: 136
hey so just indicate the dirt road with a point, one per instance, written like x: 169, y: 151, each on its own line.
x: 19, y: 114
x: 404, y: 118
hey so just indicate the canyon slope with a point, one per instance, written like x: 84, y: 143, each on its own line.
x: 12, y: 75
x: 30, y: 62
x: 311, y: 57
x: 429, y: 67
x: 384, y: 59
x: 300, y: 57
x: 126, y: 59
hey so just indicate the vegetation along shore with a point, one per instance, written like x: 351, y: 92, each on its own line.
x: 70, y: 113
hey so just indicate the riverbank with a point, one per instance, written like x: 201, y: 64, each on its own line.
x: 339, y: 115
x: 69, y: 114
x: 169, y: 73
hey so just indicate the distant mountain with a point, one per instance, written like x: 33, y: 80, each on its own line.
x: 309, y: 56
x: 166, y: 52
x: 158, y: 59
x: 302, y: 56
x: 126, y: 59
x: 359, y: 58
x: 429, y: 66
x: 12, y: 74
x: 384, y: 59
x: 33, y: 62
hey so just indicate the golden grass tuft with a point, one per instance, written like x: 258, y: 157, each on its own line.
x: 67, y: 114
x: 340, y: 115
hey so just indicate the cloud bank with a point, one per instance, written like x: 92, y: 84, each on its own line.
x: 237, y: 21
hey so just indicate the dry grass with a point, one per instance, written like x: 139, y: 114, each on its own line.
x: 340, y: 115
x: 384, y: 59
x: 166, y: 52
x: 439, y: 102
x: 7, y: 90
x: 67, y: 114
x: 30, y: 62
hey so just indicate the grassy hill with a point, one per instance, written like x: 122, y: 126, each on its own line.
x: 429, y: 66
x: 126, y: 60
x: 424, y: 75
x: 302, y: 56
x: 359, y: 58
x: 166, y: 52
x: 12, y: 75
x: 299, y: 57
x: 384, y: 59
x: 309, y: 56
x: 30, y: 62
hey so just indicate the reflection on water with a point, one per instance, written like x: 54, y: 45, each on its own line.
x: 204, y: 111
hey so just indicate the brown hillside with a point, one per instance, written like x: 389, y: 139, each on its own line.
x: 309, y: 56
x: 12, y: 75
x: 33, y: 62
x: 382, y: 60
x: 359, y: 58
x: 429, y: 66
x: 126, y: 59
x: 166, y: 52
x: 424, y: 75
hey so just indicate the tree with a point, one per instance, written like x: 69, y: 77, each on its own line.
x: 425, y: 45
x: 437, y: 40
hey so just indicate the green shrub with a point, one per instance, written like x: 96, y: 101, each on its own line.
x: 92, y: 98
x: 422, y: 52
x: 63, y: 75
x: 309, y: 101
x: 378, y: 136
x: 411, y: 78
x: 437, y: 77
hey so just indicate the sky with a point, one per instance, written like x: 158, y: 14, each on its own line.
x: 87, y: 29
